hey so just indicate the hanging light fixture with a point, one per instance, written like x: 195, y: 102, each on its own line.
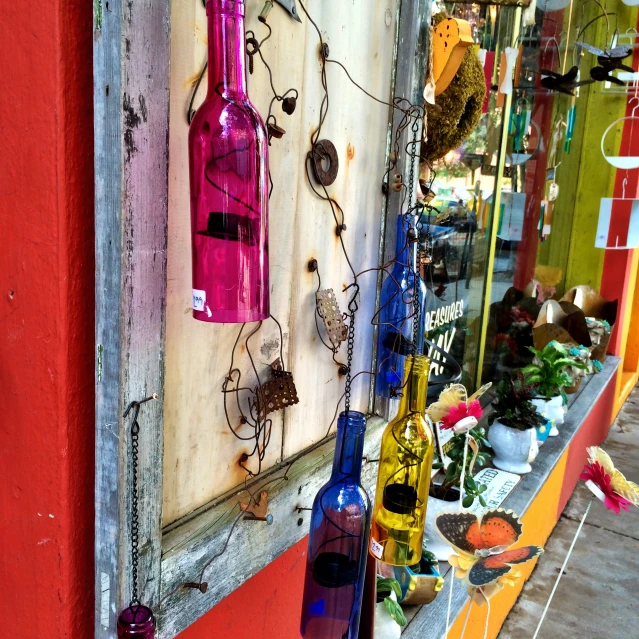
x: 228, y: 160
x: 397, y: 311
x: 336, y: 560
x: 403, y: 480
x: 135, y: 621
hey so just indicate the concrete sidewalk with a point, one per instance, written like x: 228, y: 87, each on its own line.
x: 598, y: 596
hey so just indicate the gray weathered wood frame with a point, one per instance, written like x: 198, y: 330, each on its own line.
x: 131, y: 109
x: 131, y: 106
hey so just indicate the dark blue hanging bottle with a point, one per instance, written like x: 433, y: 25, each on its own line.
x: 396, y: 315
x: 338, y: 541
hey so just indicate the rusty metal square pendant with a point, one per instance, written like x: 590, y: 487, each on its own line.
x: 276, y: 393
x: 328, y: 310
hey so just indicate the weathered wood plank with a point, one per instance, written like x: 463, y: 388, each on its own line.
x: 253, y: 544
x: 201, y: 454
x: 108, y: 193
x: 131, y: 72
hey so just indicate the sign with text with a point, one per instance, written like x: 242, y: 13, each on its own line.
x: 499, y: 485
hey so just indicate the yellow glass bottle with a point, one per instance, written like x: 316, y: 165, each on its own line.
x: 403, y: 480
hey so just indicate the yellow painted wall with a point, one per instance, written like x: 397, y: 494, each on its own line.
x: 596, y: 177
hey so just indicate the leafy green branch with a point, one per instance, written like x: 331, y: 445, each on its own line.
x: 452, y: 475
x: 388, y: 585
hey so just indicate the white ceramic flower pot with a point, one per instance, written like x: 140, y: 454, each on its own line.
x: 513, y: 448
x: 435, y: 543
x: 534, y: 448
x: 545, y: 410
x: 385, y: 626
x: 556, y: 409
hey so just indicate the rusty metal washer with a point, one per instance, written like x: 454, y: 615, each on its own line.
x: 324, y: 149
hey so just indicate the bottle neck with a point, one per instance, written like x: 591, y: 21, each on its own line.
x: 227, y: 48
x: 349, y: 449
x: 415, y: 387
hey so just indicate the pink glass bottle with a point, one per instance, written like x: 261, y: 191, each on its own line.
x: 136, y: 622
x: 228, y: 159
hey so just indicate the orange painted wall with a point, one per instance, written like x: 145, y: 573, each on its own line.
x: 539, y: 521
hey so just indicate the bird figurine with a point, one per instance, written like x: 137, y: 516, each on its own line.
x: 608, y: 60
x: 563, y: 83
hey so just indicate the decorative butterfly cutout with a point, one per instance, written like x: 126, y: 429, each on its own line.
x: 608, y: 60
x: 484, y: 544
x: 607, y: 483
x: 565, y: 83
x: 454, y: 405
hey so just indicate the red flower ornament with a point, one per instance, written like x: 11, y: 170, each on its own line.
x: 599, y: 482
x: 462, y: 411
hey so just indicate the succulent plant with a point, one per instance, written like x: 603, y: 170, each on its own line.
x: 387, y: 585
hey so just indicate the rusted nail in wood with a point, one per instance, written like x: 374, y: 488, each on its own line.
x: 268, y: 519
x: 202, y: 587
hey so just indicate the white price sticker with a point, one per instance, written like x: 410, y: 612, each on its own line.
x: 199, y: 300
x: 377, y: 549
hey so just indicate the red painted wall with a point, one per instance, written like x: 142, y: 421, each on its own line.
x: 593, y: 432
x: 266, y: 606
x: 46, y: 319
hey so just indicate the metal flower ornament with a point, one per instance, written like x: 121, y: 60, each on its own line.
x: 455, y: 410
x: 608, y: 485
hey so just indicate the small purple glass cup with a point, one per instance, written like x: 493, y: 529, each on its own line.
x: 136, y: 622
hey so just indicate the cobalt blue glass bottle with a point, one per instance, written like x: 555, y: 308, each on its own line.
x: 396, y: 314
x: 338, y: 541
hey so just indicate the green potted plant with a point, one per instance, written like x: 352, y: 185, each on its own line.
x: 445, y: 494
x: 549, y: 373
x: 514, y: 423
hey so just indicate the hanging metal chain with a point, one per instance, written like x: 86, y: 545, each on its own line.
x: 411, y: 179
x: 353, y: 306
x: 135, y: 519
x: 418, y: 224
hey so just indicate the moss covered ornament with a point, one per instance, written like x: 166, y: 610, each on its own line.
x: 457, y: 110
